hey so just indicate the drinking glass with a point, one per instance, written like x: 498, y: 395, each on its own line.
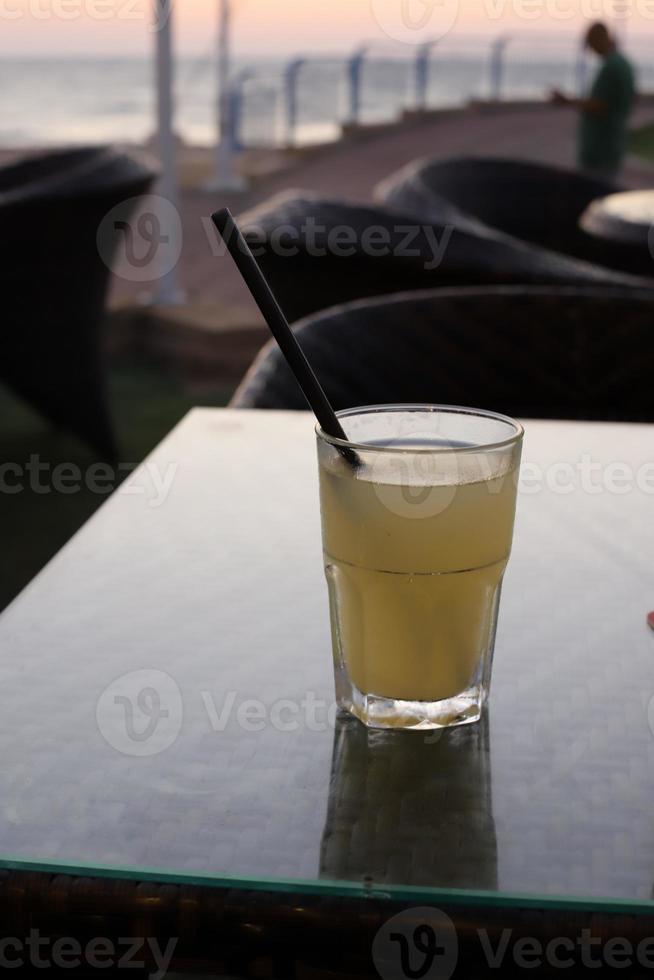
x: 417, y: 509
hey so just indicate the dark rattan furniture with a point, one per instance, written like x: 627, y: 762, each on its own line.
x: 170, y: 769
x: 317, y: 253
x: 54, y: 280
x: 533, y: 202
x: 541, y: 352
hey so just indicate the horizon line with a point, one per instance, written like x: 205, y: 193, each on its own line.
x: 336, y: 52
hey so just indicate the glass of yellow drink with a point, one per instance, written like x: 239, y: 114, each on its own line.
x: 417, y: 516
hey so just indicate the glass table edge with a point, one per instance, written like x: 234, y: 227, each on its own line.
x: 340, y: 889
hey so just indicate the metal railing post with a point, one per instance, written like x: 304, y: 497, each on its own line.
x: 354, y: 74
x: 237, y: 103
x: 291, y: 77
x: 498, y: 48
x: 421, y: 65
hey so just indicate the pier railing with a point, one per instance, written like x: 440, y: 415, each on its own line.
x: 310, y: 99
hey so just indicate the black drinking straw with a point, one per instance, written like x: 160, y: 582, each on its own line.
x: 279, y: 327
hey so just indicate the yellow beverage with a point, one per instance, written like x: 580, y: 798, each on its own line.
x: 414, y: 599
x: 416, y: 542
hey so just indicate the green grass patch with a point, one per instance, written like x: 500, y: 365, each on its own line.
x: 641, y: 142
x: 35, y: 523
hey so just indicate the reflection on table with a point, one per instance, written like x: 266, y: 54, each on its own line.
x: 410, y: 807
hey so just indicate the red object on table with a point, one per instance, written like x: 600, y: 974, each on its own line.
x: 650, y: 620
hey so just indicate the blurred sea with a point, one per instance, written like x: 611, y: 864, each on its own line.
x: 54, y: 101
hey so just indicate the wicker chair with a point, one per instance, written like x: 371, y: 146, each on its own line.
x: 539, y: 352
x: 532, y: 202
x: 54, y: 281
x: 316, y: 253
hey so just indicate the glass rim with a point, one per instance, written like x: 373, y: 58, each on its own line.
x: 427, y: 408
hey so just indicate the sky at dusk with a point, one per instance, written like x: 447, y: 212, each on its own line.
x: 123, y: 27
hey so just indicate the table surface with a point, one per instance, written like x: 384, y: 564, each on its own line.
x: 626, y: 218
x: 165, y: 685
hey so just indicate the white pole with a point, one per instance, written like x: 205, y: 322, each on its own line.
x: 225, y: 178
x: 168, y: 291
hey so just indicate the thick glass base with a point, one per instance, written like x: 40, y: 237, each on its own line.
x: 380, y: 712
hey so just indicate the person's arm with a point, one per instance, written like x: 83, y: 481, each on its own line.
x: 596, y: 106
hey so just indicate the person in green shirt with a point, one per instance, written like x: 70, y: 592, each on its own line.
x: 604, y: 113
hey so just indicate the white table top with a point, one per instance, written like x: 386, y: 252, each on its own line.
x: 626, y: 217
